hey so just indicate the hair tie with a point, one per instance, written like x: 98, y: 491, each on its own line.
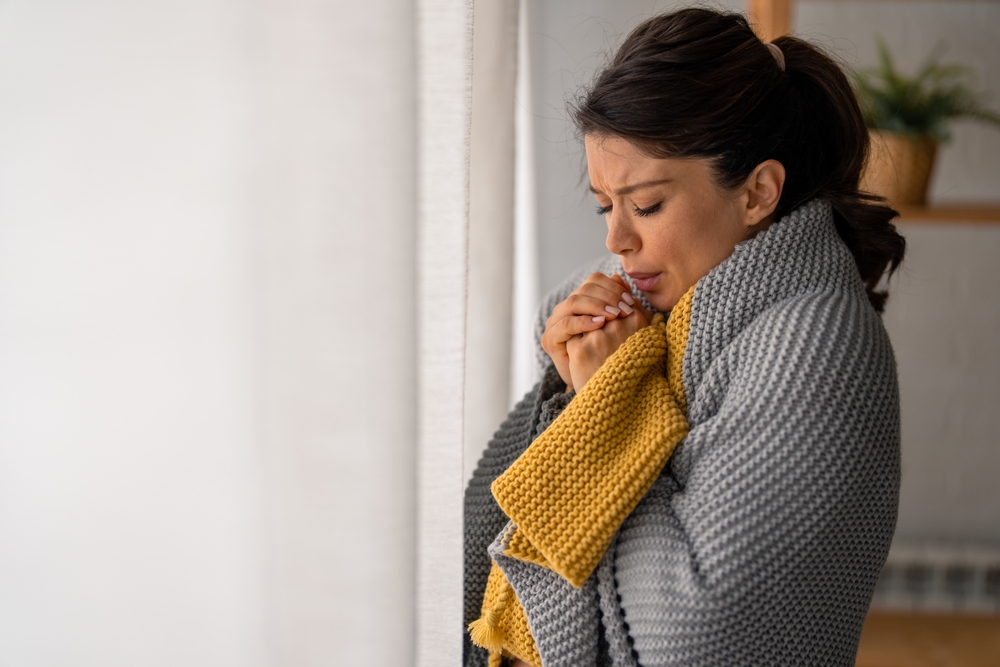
x: 778, y: 55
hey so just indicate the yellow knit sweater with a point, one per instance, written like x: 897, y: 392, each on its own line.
x: 569, y: 492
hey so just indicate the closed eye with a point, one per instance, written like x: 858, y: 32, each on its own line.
x: 604, y: 210
x: 643, y: 212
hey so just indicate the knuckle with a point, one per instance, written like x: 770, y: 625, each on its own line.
x: 559, y: 311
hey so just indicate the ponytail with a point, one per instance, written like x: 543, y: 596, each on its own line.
x: 829, y: 121
x: 746, y: 109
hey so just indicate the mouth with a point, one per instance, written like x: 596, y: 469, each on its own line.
x: 644, y: 281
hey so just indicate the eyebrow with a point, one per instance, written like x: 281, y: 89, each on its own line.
x: 628, y: 189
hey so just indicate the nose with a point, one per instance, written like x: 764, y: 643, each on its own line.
x: 621, y: 237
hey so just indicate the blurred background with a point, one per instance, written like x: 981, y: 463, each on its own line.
x: 215, y: 406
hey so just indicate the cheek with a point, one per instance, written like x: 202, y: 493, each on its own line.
x: 678, y: 251
x: 707, y: 244
x: 686, y: 256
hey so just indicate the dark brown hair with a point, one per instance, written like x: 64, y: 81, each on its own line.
x: 700, y: 83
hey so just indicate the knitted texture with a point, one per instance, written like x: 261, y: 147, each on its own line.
x: 573, y: 487
x: 505, y: 627
x: 565, y: 620
x: 761, y: 540
x: 618, y: 432
x: 484, y: 519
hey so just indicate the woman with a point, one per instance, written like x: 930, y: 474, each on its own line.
x: 720, y: 488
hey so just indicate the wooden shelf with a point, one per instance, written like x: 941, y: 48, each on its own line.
x: 915, y: 640
x: 981, y: 214
x: 773, y: 18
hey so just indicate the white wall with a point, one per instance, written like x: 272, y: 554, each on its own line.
x: 206, y: 361
x: 129, y: 530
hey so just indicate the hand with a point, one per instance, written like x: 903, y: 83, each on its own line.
x: 588, y: 351
x: 601, y: 300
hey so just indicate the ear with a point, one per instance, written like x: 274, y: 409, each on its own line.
x: 762, y: 192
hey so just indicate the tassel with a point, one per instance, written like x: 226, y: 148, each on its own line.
x: 487, y: 635
x: 486, y: 631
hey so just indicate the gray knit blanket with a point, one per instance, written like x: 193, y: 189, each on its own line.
x: 762, y: 539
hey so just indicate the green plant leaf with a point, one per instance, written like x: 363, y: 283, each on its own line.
x: 921, y: 105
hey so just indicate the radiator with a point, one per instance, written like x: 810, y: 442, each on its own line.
x: 936, y: 577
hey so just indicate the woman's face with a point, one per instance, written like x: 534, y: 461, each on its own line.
x: 666, y: 218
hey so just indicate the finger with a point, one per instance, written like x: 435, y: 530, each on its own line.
x: 574, y: 325
x: 619, y: 330
x: 585, y: 304
x: 577, y: 305
x: 622, y: 328
x: 635, y: 303
x: 588, y: 299
x: 627, y: 293
x: 634, y: 322
x: 642, y: 310
x: 600, y: 286
x: 613, y: 292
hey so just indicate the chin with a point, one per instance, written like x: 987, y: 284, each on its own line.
x: 661, y: 302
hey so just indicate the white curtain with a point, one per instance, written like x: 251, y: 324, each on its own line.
x: 523, y: 368
x: 491, y: 224
x: 444, y: 94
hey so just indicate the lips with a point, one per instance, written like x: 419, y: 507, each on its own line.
x: 644, y: 281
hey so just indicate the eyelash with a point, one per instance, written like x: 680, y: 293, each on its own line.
x: 641, y: 212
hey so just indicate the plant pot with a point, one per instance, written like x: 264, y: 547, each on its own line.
x: 899, y: 167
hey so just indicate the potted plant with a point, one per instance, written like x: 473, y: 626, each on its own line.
x: 908, y: 118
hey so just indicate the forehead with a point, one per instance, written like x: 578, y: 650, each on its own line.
x: 615, y: 163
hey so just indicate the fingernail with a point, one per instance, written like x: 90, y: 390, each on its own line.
x: 628, y: 298
x: 599, y: 318
x: 625, y: 308
x: 613, y: 311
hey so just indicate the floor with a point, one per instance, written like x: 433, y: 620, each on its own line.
x: 909, y: 640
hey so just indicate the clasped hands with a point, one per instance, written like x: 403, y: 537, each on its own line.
x: 589, y: 325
